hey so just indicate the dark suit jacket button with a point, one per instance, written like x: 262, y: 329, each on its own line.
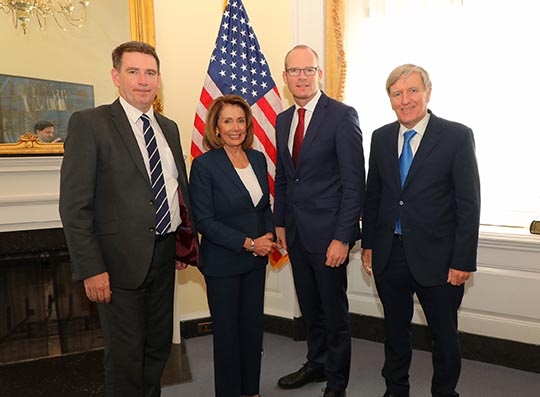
x: 400, y: 202
x: 152, y: 230
x: 151, y: 202
x: 296, y: 180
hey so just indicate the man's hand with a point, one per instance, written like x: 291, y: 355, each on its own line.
x: 457, y: 277
x: 367, y: 260
x: 97, y: 288
x: 336, y: 254
x: 280, y: 238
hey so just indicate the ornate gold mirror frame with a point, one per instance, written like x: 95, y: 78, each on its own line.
x: 141, y: 16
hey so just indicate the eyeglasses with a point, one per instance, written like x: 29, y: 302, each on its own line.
x: 295, y: 72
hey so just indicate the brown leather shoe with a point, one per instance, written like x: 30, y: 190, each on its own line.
x: 302, y: 377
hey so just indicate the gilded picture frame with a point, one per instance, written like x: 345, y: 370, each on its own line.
x: 142, y: 27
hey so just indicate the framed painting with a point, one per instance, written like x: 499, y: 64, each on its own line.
x: 26, y: 102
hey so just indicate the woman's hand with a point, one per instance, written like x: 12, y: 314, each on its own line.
x: 264, y: 245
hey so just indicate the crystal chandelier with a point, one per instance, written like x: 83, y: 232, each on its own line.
x: 64, y: 12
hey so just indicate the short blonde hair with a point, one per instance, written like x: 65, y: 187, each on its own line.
x: 210, y: 139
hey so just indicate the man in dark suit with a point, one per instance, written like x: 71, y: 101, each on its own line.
x: 420, y: 227
x: 319, y: 193
x: 122, y: 194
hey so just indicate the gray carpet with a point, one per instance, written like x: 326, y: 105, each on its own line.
x: 283, y: 355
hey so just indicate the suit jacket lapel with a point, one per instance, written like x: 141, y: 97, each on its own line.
x: 427, y: 144
x: 392, y: 152
x: 227, y: 168
x: 286, y: 153
x: 260, y: 172
x: 123, y: 127
x: 314, y: 126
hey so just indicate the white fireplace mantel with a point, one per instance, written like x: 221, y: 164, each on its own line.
x: 29, y: 192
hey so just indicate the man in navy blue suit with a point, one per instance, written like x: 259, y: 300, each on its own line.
x: 319, y: 194
x: 420, y: 228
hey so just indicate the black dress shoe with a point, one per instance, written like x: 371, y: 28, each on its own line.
x: 388, y: 394
x: 328, y: 392
x: 301, y: 377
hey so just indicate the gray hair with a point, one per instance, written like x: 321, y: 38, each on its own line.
x: 404, y: 71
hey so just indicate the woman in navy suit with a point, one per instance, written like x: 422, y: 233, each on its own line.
x: 231, y: 205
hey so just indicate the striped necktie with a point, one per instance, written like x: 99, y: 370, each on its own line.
x: 163, y: 215
x: 405, y: 161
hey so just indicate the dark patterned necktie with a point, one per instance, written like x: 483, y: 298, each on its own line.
x: 405, y: 161
x: 163, y: 214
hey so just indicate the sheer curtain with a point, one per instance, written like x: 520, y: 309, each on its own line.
x: 483, y: 62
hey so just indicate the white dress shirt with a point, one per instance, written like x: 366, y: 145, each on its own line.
x: 170, y: 172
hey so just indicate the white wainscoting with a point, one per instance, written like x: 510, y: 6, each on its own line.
x: 501, y: 299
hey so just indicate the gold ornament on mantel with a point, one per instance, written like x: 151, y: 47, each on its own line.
x: 64, y: 12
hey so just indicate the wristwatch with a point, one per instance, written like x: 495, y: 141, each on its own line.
x: 252, y: 247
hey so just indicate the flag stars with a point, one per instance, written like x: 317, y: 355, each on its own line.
x: 222, y: 61
x: 243, y: 67
x: 233, y: 53
x: 233, y: 65
x: 244, y: 90
x: 253, y: 93
x: 264, y: 85
x: 233, y: 76
x: 244, y: 79
x: 253, y: 82
x: 223, y: 50
x: 222, y: 73
x: 233, y: 87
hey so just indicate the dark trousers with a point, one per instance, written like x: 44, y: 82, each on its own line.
x: 137, y: 326
x: 237, y: 308
x: 322, y: 296
x: 396, y: 287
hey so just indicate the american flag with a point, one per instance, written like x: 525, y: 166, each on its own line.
x: 237, y: 66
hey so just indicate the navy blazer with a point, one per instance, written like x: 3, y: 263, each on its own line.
x: 322, y: 198
x: 225, y: 214
x: 438, y: 207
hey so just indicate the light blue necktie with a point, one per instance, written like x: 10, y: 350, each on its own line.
x: 163, y: 214
x: 405, y: 161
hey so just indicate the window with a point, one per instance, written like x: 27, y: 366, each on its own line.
x: 482, y: 59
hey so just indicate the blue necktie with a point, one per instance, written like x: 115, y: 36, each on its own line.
x: 163, y: 215
x: 405, y: 161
